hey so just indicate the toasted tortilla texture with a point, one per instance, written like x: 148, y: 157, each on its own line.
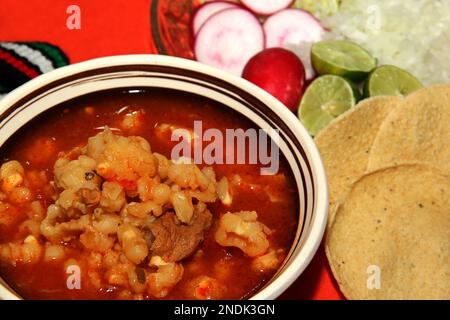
x: 344, y: 145
x: 395, y: 221
x: 417, y: 131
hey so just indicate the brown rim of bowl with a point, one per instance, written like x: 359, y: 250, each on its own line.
x: 249, y: 100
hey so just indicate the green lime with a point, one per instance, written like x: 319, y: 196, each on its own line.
x: 342, y: 58
x: 391, y: 81
x: 326, y: 98
x: 320, y: 8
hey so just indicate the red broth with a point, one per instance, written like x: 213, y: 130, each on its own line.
x: 36, y: 147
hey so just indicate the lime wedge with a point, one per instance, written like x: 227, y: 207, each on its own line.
x: 319, y: 8
x: 342, y: 58
x: 391, y: 81
x: 326, y: 98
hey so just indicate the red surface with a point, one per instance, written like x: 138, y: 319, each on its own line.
x: 108, y: 27
x: 112, y: 27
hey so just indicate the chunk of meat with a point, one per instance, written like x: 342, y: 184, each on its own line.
x: 175, y: 241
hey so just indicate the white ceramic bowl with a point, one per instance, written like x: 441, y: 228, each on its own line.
x: 66, y: 83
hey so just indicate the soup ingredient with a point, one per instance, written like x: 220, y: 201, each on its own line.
x: 132, y: 242
x: 223, y: 192
x: 295, y: 30
x: 279, y: 72
x: 229, y: 39
x: 207, y: 288
x: 242, y: 230
x: 390, y: 236
x: 133, y: 122
x: 90, y: 209
x: 390, y: 80
x: 161, y: 282
x: 107, y: 169
x: 269, y: 261
x: 345, y: 143
x: 320, y: 8
x: 414, y: 37
x: 325, y: 99
x: 112, y: 202
x: 29, y: 251
x: 205, y: 11
x: 266, y: 7
x: 342, y: 58
x: 11, y: 175
x: 417, y: 131
x: 54, y: 253
x: 175, y: 241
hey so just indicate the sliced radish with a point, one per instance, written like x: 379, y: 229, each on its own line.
x: 266, y: 7
x: 228, y: 39
x: 207, y: 10
x: 296, y: 30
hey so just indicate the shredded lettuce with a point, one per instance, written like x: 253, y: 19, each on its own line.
x: 413, y: 35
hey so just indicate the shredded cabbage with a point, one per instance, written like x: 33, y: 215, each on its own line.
x: 413, y: 35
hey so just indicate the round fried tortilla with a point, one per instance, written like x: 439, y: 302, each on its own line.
x: 396, y: 221
x: 344, y: 144
x: 417, y: 131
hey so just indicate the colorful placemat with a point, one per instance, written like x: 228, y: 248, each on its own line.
x: 22, y: 61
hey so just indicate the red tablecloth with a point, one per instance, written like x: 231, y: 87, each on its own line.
x: 112, y: 27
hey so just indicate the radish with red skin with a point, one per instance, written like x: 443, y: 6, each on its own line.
x: 266, y: 7
x: 280, y: 72
x: 228, y: 39
x: 294, y: 28
x: 205, y: 11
